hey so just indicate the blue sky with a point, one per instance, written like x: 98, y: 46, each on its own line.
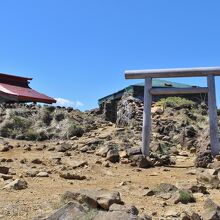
x: 79, y: 49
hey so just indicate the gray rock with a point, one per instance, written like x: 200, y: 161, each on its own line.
x: 141, y: 161
x: 134, y: 151
x: 5, y: 148
x: 70, y: 211
x: 64, y: 147
x: 36, y: 161
x: 203, y: 159
x: 208, y: 177
x: 113, y: 156
x: 115, y: 215
x: 102, y: 151
x: 6, y: 177
x: 71, y: 176
x: 124, y: 208
x: 4, y: 170
x: 17, y: 185
x: 94, y: 198
x: 212, y: 210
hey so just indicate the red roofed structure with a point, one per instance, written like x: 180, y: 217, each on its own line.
x: 16, y: 89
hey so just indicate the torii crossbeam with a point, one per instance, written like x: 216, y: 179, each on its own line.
x: 208, y: 72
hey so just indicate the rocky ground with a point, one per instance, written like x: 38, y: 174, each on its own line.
x: 101, y: 173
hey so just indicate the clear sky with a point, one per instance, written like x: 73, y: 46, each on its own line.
x: 79, y: 49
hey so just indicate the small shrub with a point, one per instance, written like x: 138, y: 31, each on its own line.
x: 174, y: 102
x: 185, y: 197
x: 46, y: 117
x: 17, y: 125
x: 218, y: 112
x: 75, y: 130
x: 32, y: 135
x: 59, y: 116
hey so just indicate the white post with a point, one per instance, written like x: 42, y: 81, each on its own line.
x: 213, y: 119
x: 146, y: 131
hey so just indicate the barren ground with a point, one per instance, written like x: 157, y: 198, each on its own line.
x: 43, y: 194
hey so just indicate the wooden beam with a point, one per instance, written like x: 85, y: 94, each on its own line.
x: 213, y: 119
x: 177, y: 91
x: 170, y: 73
x: 146, y: 131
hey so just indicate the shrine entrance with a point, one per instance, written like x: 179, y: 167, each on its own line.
x: 148, y: 75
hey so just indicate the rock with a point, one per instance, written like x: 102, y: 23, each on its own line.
x: 64, y: 147
x: 113, y: 156
x: 215, y: 165
x: 5, y: 148
x: 141, y: 161
x: 165, y: 188
x: 31, y: 173
x: 208, y: 177
x: 217, y: 157
x: 94, y: 198
x: 36, y: 161
x: 194, y: 187
x: 106, y: 164
x: 183, y: 154
x: 42, y: 174
x: 190, y: 132
x: 72, y: 176
x: 204, y: 159
x: 102, y: 151
x: 72, y: 210
x: 6, y: 177
x: 148, y: 192
x: 190, y: 216
x: 124, y: 208
x: 211, y: 210
x: 4, y: 170
x: 119, y: 215
x: 123, y: 154
x: 17, y: 185
x: 134, y: 151
x: 171, y: 213
x: 75, y: 164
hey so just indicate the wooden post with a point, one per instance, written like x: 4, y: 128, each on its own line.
x: 146, y: 131
x: 213, y: 119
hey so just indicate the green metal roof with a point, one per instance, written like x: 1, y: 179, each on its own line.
x: 156, y: 83
x: 164, y: 83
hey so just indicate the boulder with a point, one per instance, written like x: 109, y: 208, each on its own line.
x: 72, y: 210
x: 208, y: 177
x: 211, y: 210
x: 94, y: 198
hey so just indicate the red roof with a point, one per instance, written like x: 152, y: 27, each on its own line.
x: 16, y: 89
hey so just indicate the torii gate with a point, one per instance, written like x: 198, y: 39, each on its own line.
x: 209, y: 72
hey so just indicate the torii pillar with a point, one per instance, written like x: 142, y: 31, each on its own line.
x: 148, y: 75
